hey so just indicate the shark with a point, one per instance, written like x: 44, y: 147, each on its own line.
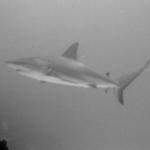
x: 67, y: 69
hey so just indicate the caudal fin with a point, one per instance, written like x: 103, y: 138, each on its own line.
x: 126, y: 80
x: 119, y: 95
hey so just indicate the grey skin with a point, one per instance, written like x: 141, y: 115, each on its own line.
x: 68, y: 70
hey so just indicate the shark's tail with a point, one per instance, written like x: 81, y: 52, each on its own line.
x: 124, y: 81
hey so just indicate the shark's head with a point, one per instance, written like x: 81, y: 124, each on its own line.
x: 40, y: 69
x: 31, y: 64
x: 18, y: 65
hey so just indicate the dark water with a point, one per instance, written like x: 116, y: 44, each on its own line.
x: 114, y: 36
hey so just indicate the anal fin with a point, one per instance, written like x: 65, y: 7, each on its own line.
x: 106, y: 90
x: 93, y: 85
x: 43, y: 82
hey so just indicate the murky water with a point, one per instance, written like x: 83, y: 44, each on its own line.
x: 114, y: 36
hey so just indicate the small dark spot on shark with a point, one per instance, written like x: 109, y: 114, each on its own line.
x: 93, y: 85
x: 43, y: 82
x: 18, y: 70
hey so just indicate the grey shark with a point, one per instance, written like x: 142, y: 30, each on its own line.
x: 66, y: 69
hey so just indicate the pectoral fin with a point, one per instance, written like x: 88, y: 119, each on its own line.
x: 51, y: 72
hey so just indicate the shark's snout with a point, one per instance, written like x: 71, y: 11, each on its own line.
x: 13, y: 63
x: 8, y: 62
x: 16, y: 65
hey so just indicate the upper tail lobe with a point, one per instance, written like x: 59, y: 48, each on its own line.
x: 126, y: 80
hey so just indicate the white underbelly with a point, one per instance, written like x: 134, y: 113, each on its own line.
x: 106, y: 86
x: 50, y: 79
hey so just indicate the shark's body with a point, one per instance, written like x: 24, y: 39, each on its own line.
x: 67, y: 70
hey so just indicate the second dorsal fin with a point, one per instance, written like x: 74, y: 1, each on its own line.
x: 71, y: 52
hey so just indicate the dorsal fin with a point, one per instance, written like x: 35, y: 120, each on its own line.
x: 71, y: 52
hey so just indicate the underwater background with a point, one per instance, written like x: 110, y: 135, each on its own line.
x: 114, y: 36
